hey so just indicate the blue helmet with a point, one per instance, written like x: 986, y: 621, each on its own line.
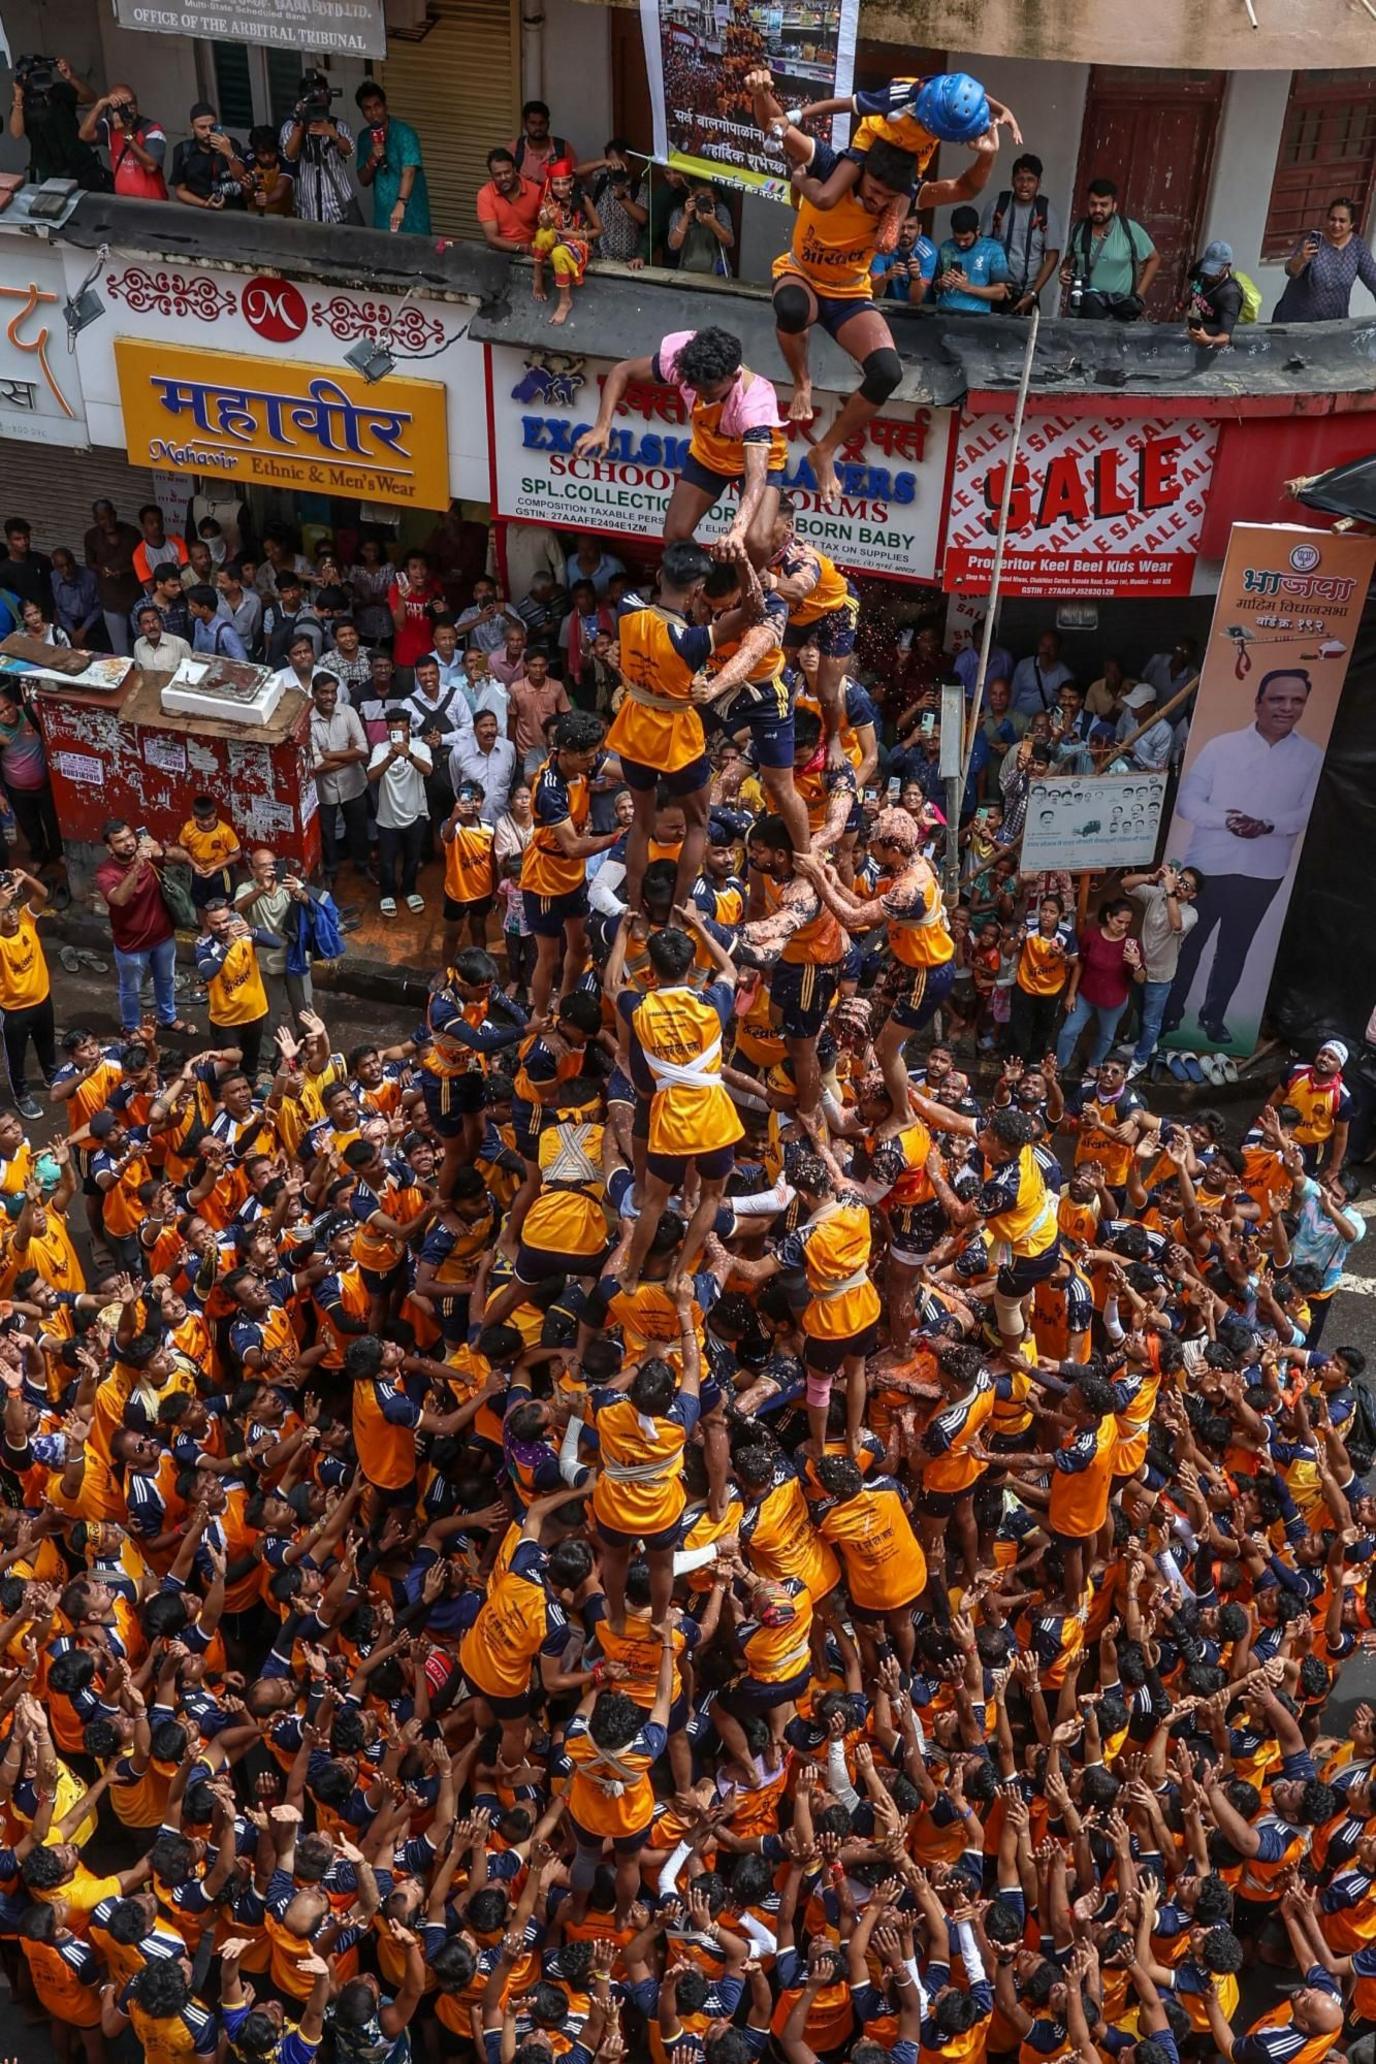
x: 953, y: 107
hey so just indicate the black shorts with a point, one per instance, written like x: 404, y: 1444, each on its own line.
x: 1017, y: 1277
x: 824, y: 1357
x: 832, y: 634
x: 536, y: 1265
x: 684, y: 781
x: 455, y: 913
x: 449, y: 1099
x: 711, y: 482
x: 547, y: 915
x: 802, y: 993
x: 713, y: 1166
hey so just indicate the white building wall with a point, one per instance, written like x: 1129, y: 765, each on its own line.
x: 1049, y: 102
x: 1244, y: 165
x: 577, y: 71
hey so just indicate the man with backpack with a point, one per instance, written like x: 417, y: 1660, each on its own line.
x: 536, y: 149
x: 1022, y: 219
x: 1216, y: 298
x: 1111, y: 262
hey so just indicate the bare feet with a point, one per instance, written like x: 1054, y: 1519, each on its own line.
x: 562, y: 313
x: 824, y: 471
x: 800, y: 409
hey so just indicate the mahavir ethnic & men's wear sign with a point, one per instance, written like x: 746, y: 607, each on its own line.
x: 282, y: 423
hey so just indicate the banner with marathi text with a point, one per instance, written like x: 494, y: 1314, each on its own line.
x: 698, y: 54
x: 1289, y: 603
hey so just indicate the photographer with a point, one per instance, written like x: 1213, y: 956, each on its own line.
x: 1111, y: 261
x: 616, y: 197
x: 137, y: 146
x: 208, y: 169
x: 270, y: 189
x: 700, y: 233
x: 318, y: 147
x: 47, y: 93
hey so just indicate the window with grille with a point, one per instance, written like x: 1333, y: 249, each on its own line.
x: 1327, y: 148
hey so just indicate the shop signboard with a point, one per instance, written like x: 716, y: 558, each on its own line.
x: 893, y: 478
x: 1290, y: 601
x: 281, y: 423
x: 1102, y: 505
x: 335, y: 28
x: 1079, y: 821
x: 40, y: 385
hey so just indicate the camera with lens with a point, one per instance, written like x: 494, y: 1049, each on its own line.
x: 36, y: 77
x: 1077, y: 295
x: 316, y: 96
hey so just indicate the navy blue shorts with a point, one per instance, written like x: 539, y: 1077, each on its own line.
x: 832, y: 634
x: 770, y: 734
x: 713, y: 1166
x: 697, y: 475
x: 824, y: 1357
x: 547, y: 915
x: 923, y: 997
x: 536, y: 1265
x: 802, y: 993
x: 834, y: 311
x: 685, y: 781
x: 1024, y: 1272
x: 449, y: 1098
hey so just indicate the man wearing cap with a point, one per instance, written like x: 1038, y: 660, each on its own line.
x: 1150, y: 753
x: 1215, y: 301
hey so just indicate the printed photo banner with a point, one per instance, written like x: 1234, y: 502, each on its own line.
x: 1289, y: 603
x: 1079, y: 821
x: 698, y: 54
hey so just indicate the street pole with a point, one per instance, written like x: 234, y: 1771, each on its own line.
x: 950, y: 763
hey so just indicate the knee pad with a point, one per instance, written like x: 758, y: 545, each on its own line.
x: 793, y: 310
x: 1008, y: 1313
x: 818, y: 1391
x: 882, y: 370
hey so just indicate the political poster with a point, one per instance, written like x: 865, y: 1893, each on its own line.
x: 1289, y: 603
x: 1101, y: 505
x: 698, y: 55
x: 1079, y: 821
x: 892, y: 475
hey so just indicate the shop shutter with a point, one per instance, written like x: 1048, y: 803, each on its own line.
x: 54, y: 487
x: 459, y: 87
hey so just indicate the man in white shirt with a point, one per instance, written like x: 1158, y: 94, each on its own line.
x: 1247, y: 800
x: 1152, y: 751
x: 1037, y: 680
x: 440, y: 721
x: 398, y: 770
x: 154, y: 648
x: 299, y: 671
x: 489, y: 758
x: 483, y: 691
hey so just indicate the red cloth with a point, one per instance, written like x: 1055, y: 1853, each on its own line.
x: 1105, y: 968
x: 144, y: 920
x: 416, y: 635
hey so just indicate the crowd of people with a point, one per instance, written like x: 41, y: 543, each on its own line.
x: 655, y: 1504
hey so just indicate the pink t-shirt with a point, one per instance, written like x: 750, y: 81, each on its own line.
x: 752, y: 403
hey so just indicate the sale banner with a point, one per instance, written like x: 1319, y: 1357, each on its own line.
x: 1102, y: 505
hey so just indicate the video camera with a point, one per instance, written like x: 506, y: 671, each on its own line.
x: 36, y: 77
x: 316, y: 96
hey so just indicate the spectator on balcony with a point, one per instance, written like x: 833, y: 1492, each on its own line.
x: 508, y: 207
x: 1323, y: 268
x: 45, y: 116
x: 971, y: 270
x: 24, y: 572
x: 318, y: 147
x: 616, y: 197
x: 1038, y: 679
x: 110, y: 548
x: 700, y: 232
x: 1023, y: 220
x: 271, y: 190
x: 536, y: 149
x: 390, y: 163
x: 208, y: 169
x: 907, y: 273
x: 1215, y: 299
x: 137, y: 146
x: 1111, y: 261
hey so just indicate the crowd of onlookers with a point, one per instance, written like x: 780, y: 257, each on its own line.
x: 1005, y: 259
